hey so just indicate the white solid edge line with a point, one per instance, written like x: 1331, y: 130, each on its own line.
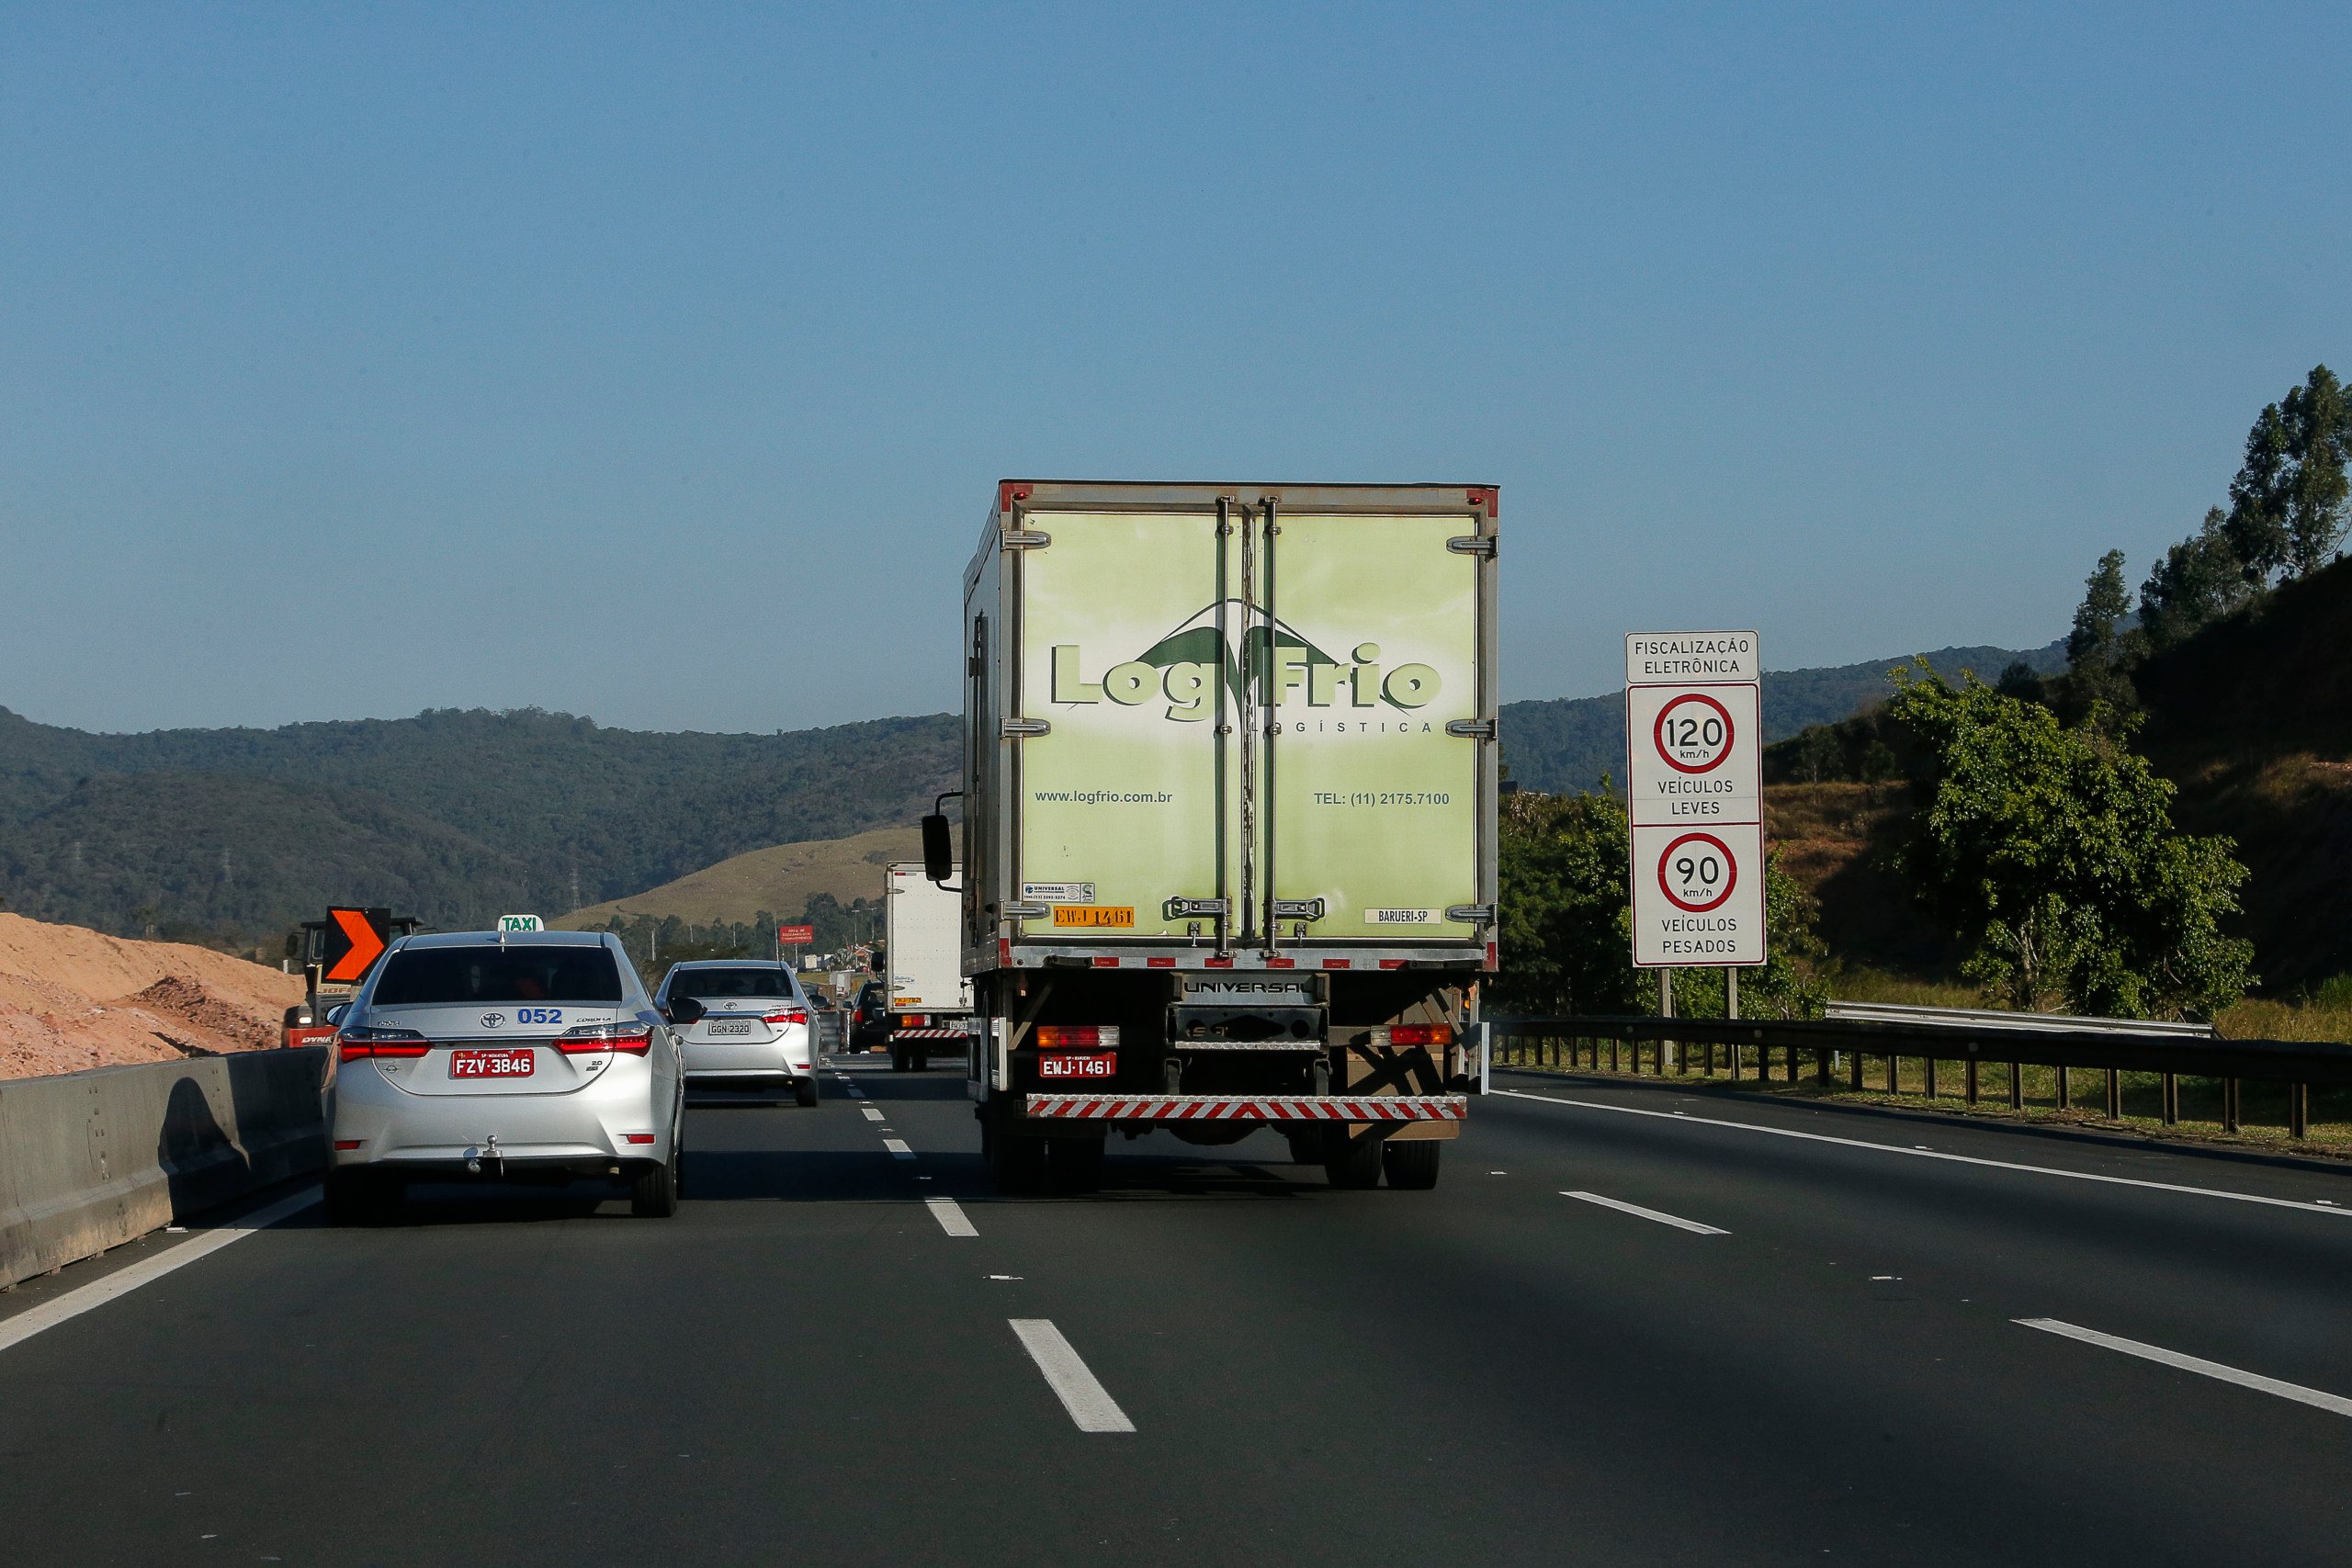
x: 122, y: 1281
x: 1081, y: 1393
x: 1665, y: 1219
x: 897, y: 1147
x: 950, y: 1215
x: 2336, y: 1404
x: 1936, y: 1153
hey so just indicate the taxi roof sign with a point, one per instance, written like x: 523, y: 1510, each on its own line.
x: 509, y: 925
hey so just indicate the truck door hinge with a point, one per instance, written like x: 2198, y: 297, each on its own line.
x: 1024, y: 539
x: 1471, y: 913
x: 1476, y: 728
x: 1298, y: 909
x: 1025, y: 911
x: 1193, y: 909
x: 1472, y: 544
x: 1014, y: 728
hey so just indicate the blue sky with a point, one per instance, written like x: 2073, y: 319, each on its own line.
x: 657, y: 362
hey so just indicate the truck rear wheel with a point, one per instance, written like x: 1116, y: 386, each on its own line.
x: 898, y: 1058
x: 1356, y: 1164
x: 1413, y: 1167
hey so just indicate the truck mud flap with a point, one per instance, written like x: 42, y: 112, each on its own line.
x: 1248, y: 1108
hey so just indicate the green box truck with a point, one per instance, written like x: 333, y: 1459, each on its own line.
x: 1229, y: 819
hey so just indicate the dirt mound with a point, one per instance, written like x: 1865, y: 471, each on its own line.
x: 170, y: 1000
x: 183, y: 998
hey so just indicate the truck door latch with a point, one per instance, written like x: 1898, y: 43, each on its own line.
x: 1298, y: 909
x: 1193, y: 909
x: 1472, y: 728
x: 1015, y: 727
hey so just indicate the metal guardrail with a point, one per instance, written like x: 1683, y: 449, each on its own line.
x: 1903, y: 1014
x: 2298, y: 1064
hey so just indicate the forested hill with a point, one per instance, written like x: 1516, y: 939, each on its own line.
x: 229, y: 835
x: 1566, y: 744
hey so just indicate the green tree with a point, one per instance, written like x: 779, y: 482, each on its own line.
x: 1568, y: 923
x: 2097, y: 653
x: 2051, y: 852
x: 2288, y: 504
x: 2200, y: 581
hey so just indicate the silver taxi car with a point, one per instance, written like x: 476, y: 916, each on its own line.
x: 742, y: 1023
x: 531, y: 1056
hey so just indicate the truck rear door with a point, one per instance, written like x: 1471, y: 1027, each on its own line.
x: 1258, y: 723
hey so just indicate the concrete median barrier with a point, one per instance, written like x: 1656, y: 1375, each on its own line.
x: 91, y: 1160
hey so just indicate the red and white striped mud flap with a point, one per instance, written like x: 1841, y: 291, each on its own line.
x: 927, y: 1035
x: 1250, y: 1107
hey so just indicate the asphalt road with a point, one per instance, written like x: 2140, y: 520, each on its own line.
x: 807, y: 1365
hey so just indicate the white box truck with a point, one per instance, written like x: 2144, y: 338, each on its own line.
x: 1230, y: 820
x: 930, y: 999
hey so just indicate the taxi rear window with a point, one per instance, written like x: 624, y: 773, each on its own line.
x: 469, y: 975
x: 704, y: 985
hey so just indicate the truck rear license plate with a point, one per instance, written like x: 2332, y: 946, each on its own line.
x: 729, y: 1031
x: 1115, y: 916
x: 513, y: 1064
x: 1073, y: 1065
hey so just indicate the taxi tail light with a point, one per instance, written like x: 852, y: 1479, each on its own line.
x: 1422, y: 1034
x: 789, y: 1015
x: 631, y: 1039
x: 358, y: 1044
x: 1081, y: 1036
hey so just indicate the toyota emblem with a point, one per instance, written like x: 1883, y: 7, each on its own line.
x: 492, y: 1020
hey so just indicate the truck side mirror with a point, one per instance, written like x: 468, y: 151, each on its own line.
x: 938, y: 849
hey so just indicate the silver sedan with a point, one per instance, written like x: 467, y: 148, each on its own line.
x: 531, y: 1056
x: 742, y: 1023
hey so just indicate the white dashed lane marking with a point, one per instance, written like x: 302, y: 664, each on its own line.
x: 950, y: 1216
x: 1081, y: 1393
x: 1636, y: 1209
x: 2332, y: 1402
x: 897, y: 1147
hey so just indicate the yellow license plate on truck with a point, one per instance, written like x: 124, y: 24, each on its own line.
x: 1093, y: 915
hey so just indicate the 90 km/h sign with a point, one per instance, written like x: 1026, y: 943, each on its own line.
x: 1697, y: 873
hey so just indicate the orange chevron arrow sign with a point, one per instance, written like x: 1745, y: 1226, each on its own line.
x: 355, y: 939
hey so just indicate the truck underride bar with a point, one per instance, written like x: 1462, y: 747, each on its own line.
x: 1249, y: 1107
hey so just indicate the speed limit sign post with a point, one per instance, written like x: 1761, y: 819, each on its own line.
x: 1693, y: 790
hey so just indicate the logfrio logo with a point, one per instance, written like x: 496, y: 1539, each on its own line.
x: 1273, y: 661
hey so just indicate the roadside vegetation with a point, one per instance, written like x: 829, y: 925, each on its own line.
x: 2155, y: 830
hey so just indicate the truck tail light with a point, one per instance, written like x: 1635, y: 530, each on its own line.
x: 358, y: 1044
x: 1077, y: 1036
x: 1422, y: 1034
x: 633, y: 1038
x: 913, y: 1020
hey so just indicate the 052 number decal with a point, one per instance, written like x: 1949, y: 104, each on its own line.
x: 538, y: 1015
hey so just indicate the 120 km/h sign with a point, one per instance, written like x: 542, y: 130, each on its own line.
x: 1694, y: 798
x: 1691, y: 754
